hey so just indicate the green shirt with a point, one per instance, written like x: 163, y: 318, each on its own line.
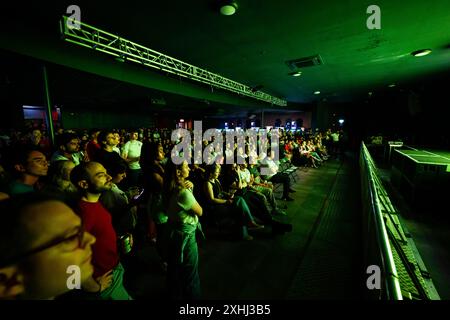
x: 179, y: 206
x: 17, y: 187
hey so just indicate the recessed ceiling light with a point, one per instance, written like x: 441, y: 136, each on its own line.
x: 421, y: 53
x: 316, y: 92
x: 391, y: 85
x: 296, y: 73
x: 228, y: 8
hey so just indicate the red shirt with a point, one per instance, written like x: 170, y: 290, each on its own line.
x: 97, y: 221
x: 91, y: 149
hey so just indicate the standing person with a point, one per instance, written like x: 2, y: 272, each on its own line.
x: 28, y: 166
x: 131, y: 152
x: 120, y: 204
x: 117, y: 143
x: 37, y: 141
x: 59, y: 183
x: 183, y: 210
x: 92, y: 146
x: 40, y: 238
x: 92, y: 180
x: 68, y: 148
x: 106, y: 155
x: 335, y: 143
x: 155, y: 208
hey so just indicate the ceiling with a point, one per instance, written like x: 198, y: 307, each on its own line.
x: 253, y: 45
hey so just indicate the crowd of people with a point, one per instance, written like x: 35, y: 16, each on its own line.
x: 98, y: 195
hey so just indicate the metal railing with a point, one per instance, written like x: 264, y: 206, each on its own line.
x: 380, y: 252
x: 387, y: 244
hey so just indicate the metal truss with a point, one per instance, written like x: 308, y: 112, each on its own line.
x: 85, y: 35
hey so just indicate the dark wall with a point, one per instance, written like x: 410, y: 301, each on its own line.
x: 414, y: 113
x: 326, y: 114
x: 112, y: 118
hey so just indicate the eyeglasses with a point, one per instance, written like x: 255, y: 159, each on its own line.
x: 67, y: 244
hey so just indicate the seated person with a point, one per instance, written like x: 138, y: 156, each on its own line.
x: 260, y: 185
x: 271, y: 174
x: 223, y: 204
x: 256, y: 200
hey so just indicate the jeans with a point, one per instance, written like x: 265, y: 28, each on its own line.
x: 285, y: 180
x: 182, y: 272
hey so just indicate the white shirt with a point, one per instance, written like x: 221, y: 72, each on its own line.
x: 245, y: 175
x: 132, y: 149
x: 335, y: 137
x: 76, y: 157
x: 272, y: 166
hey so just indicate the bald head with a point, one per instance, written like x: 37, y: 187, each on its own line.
x: 91, y: 177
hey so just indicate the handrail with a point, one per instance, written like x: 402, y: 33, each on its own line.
x: 393, y: 291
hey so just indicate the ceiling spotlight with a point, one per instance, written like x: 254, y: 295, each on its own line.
x: 391, y: 85
x: 228, y: 8
x: 316, y: 92
x: 421, y: 53
x: 295, y: 73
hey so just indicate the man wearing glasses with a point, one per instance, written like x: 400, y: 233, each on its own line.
x: 92, y: 180
x: 40, y: 239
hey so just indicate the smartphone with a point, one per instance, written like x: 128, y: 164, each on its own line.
x: 136, y: 197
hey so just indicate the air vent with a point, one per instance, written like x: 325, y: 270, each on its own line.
x: 305, y: 62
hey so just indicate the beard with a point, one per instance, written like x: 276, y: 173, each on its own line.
x: 99, y: 189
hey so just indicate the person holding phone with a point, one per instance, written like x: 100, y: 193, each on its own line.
x: 121, y: 205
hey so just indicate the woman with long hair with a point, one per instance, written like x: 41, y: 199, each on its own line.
x: 157, y: 212
x: 183, y: 211
x: 223, y: 204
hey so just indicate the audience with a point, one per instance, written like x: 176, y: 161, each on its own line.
x: 90, y: 182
